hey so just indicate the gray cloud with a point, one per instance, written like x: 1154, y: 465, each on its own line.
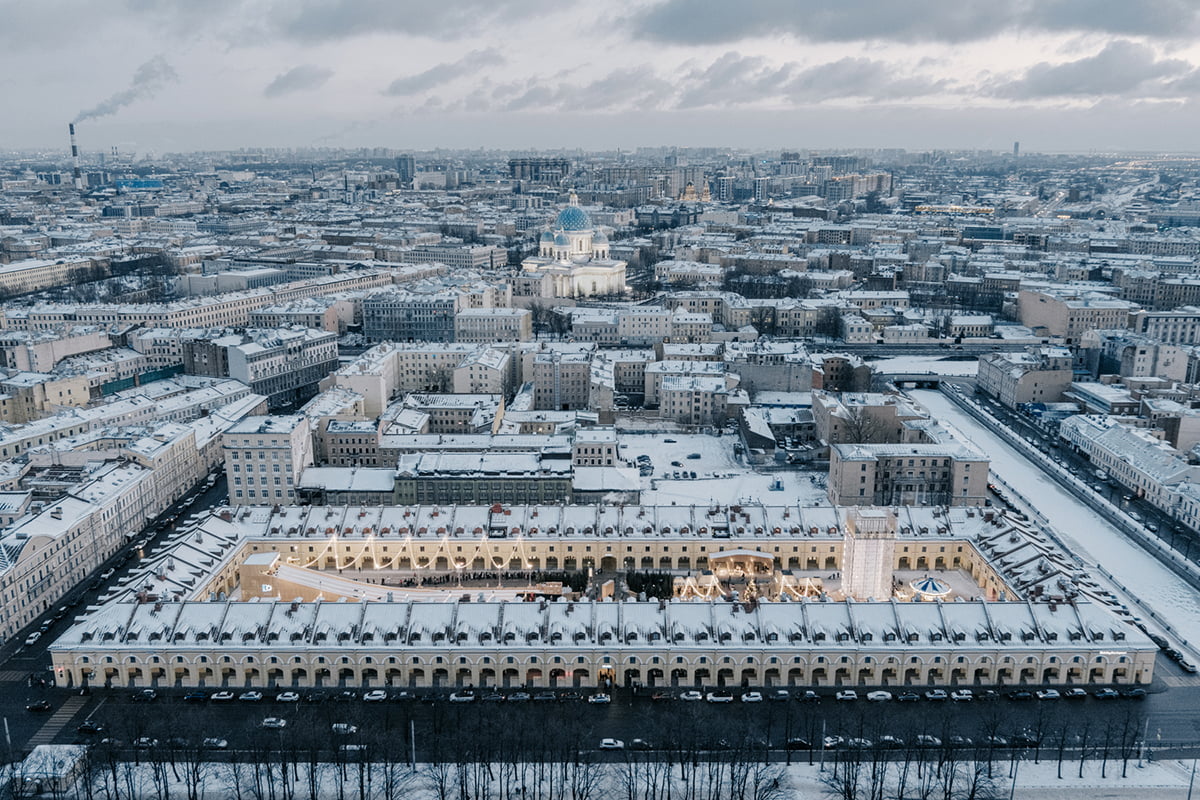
x: 146, y: 81
x: 860, y: 78
x: 297, y: 79
x: 706, y: 22
x: 321, y: 20
x: 444, y: 73
x: 1121, y: 68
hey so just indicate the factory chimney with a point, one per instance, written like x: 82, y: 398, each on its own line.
x: 75, y: 159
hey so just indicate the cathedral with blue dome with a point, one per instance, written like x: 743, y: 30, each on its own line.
x: 572, y: 260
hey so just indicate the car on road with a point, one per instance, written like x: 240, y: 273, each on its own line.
x: 693, y: 456
x: 936, y: 695
x: 222, y: 697
x: 345, y: 697
x: 612, y: 744
x: 640, y: 744
x: 273, y: 723
x: 1024, y: 739
x: 833, y: 742
x: 492, y: 697
x: 89, y: 726
x: 847, y: 695
x: 545, y: 697
x: 32, y: 639
x: 1075, y: 693
x: 810, y: 696
x: 962, y: 695
x: 375, y: 696
x: 39, y: 706
x: 520, y: 697
x: 752, y: 697
x: 404, y: 697
x: 779, y: 696
x: 315, y: 697
x: 599, y: 699
x: 287, y: 697
x: 1136, y: 693
x: 796, y: 743
x: 343, y: 728
x: 1106, y: 694
x: 195, y: 696
x: 145, y: 742
x: 108, y: 573
x: 214, y: 743
x: 250, y: 697
x: 1020, y: 695
x: 661, y: 697
x: 890, y: 742
x: 1047, y: 694
x: 926, y: 740
x: 691, y: 696
x: 908, y: 697
x: 144, y: 696
x: 996, y: 741
x: 879, y: 696
x: 462, y: 697
x: 719, y: 697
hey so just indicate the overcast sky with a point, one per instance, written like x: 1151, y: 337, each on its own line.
x: 163, y: 75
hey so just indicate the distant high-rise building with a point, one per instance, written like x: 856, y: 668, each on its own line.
x: 539, y: 170
x: 407, y: 167
x: 1016, y: 149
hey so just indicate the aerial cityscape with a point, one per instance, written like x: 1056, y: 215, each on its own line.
x: 383, y: 460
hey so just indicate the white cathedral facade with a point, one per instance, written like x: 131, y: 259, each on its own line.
x: 572, y: 261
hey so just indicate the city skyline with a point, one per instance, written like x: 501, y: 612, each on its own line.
x: 146, y: 76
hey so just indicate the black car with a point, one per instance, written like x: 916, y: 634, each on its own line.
x: 545, y: 697
x: 39, y: 706
x: 640, y: 744
x: 1020, y: 695
x: 315, y: 697
x: 88, y: 726
x: 144, y: 696
x: 404, y: 697
x: 345, y: 697
x: 1136, y: 693
x: 799, y: 744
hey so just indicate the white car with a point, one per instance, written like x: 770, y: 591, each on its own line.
x: 962, y: 695
x: 752, y: 697
x: 274, y: 723
x: 344, y: 728
x: 213, y: 743
x: 287, y: 697
x: 462, y: 697
x: 32, y: 638
x: 222, y: 697
x: 691, y: 696
x: 250, y: 697
x: 879, y: 696
x: 936, y: 694
x: 846, y: 694
x: 599, y: 699
x: 375, y: 696
x: 612, y: 744
x: 719, y: 697
x: 1047, y: 694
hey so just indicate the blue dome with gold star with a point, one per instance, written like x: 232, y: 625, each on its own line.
x: 573, y: 218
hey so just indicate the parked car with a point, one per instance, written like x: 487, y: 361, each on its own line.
x: 879, y: 696
x: 810, y: 696
x: 752, y: 697
x: 215, y: 743
x: 925, y: 740
x: 936, y: 695
x: 221, y: 697
x: 287, y: 697
x: 962, y: 695
x: 908, y: 697
x: 719, y: 697
x: 195, y: 696
x: 847, y: 695
x: 466, y: 696
x: 612, y: 744
x: 1047, y: 694
x: 250, y: 697
x: 274, y: 723
x: 779, y: 696
x: 1106, y: 694
x: 343, y: 729
x: 519, y: 697
x: 599, y: 699
x: 39, y: 706
x: 375, y: 696
x: 89, y: 726
x: 144, y: 696
x: 691, y: 695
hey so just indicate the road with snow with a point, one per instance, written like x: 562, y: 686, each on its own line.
x: 1087, y: 533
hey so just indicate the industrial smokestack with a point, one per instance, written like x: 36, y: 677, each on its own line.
x: 75, y: 159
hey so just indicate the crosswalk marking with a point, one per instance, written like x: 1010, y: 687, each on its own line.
x: 58, y: 720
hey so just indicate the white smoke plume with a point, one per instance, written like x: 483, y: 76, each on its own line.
x: 147, y: 80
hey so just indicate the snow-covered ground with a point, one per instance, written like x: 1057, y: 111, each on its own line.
x: 1088, y: 534
x: 720, y: 478
x: 925, y: 365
